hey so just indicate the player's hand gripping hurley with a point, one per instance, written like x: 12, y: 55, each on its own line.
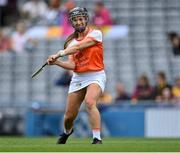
x: 53, y: 58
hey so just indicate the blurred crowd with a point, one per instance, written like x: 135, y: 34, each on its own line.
x: 17, y: 16
x: 161, y: 92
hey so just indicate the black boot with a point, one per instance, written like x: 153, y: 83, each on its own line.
x: 96, y: 141
x: 63, y: 137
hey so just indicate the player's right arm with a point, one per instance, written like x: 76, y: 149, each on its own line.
x: 69, y: 64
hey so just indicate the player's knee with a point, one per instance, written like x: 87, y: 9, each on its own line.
x: 90, y: 103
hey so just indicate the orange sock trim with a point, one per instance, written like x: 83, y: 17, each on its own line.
x: 96, y: 129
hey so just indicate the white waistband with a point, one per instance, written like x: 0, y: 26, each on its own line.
x: 89, y: 73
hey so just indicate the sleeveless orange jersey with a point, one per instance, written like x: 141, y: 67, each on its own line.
x: 91, y: 58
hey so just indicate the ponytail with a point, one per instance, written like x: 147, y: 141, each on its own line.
x: 70, y: 38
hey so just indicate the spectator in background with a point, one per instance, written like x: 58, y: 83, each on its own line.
x: 64, y: 79
x: 101, y: 15
x: 161, y: 84
x: 66, y: 26
x: 63, y: 82
x: 9, y: 12
x: 3, y: 12
x: 105, y: 98
x: 53, y: 12
x: 121, y: 94
x: 166, y: 96
x: 143, y: 90
x: 104, y: 101
x: 20, y: 40
x: 34, y: 10
x: 176, y: 90
x: 175, y: 42
x: 5, y: 43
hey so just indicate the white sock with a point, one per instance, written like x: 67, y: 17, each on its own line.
x: 96, y: 134
x: 67, y: 132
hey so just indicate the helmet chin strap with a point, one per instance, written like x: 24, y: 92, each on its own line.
x: 81, y: 29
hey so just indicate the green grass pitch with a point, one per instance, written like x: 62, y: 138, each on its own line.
x: 48, y: 144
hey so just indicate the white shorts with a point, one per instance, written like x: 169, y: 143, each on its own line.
x: 82, y: 80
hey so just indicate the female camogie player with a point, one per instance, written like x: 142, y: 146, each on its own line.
x: 85, y: 57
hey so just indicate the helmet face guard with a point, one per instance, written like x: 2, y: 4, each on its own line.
x: 82, y: 12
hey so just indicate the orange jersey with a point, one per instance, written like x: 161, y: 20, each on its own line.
x: 91, y: 58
